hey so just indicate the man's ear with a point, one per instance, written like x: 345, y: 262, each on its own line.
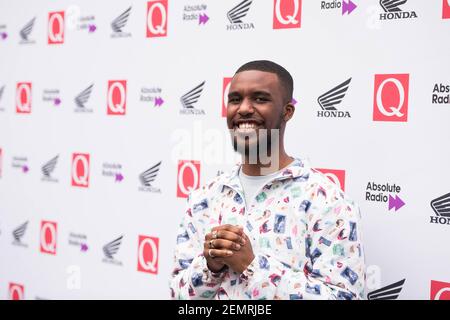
x: 288, y: 112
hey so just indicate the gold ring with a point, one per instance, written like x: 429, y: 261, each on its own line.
x: 211, y: 244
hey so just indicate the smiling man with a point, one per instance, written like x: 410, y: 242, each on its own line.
x: 273, y: 227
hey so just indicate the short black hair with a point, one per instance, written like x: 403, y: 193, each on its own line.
x: 285, y: 78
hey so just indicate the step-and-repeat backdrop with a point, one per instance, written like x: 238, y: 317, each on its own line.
x: 112, y: 111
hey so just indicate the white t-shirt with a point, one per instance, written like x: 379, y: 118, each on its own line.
x: 252, y: 185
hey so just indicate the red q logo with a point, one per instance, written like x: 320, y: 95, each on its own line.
x: 148, y: 254
x: 80, y: 170
x: 48, y: 237
x: 157, y: 18
x: 16, y: 291
x: 188, y: 177
x: 439, y: 290
x: 225, y: 90
x: 337, y: 176
x: 287, y: 14
x: 117, y: 97
x: 445, y: 9
x: 390, y: 102
x: 56, y: 27
x: 23, y: 97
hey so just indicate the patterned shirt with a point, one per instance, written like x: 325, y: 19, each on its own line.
x: 304, y: 231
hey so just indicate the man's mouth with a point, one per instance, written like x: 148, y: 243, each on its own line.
x: 244, y: 126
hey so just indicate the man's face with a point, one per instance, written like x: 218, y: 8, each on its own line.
x: 255, y: 102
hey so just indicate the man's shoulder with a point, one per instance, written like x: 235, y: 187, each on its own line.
x: 209, y: 188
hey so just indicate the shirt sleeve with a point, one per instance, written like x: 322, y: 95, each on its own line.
x: 334, y: 267
x: 191, y: 278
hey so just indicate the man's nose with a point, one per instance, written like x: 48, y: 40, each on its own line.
x: 246, y: 107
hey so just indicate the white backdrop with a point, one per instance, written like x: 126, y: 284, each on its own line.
x: 198, y: 42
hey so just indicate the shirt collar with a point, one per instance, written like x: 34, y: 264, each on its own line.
x: 295, y: 169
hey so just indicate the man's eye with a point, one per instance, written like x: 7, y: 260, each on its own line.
x: 233, y: 100
x: 261, y: 99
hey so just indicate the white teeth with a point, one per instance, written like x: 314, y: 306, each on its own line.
x: 247, y: 125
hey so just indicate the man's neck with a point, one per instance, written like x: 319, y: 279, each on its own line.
x: 259, y: 169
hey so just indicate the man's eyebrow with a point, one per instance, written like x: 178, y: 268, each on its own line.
x: 261, y: 92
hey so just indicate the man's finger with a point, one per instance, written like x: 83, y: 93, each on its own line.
x: 217, y: 253
x: 223, y: 244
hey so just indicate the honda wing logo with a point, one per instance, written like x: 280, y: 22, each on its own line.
x: 148, y: 176
x: 189, y: 99
x: 19, y: 232
x: 111, y: 248
x: 330, y: 99
x: 26, y: 31
x: 390, y: 292
x: 236, y: 14
x: 82, y: 98
x: 392, y: 5
x: 49, y: 167
x: 119, y: 23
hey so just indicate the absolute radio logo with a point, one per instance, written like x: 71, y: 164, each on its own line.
x: 188, y: 177
x: 16, y: 291
x: 117, y: 97
x: 148, y: 254
x: 80, y: 170
x: 439, y: 290
x: 287, y: 14
x: 23, y: 97
x: 3, y: 33
x: 195, y: 12
x: 236, y: 14
x: 226, y: 82
x: 393, y: 10
x: 48, y: 237
x: 441, y: 94
x: 390, y: 101
x: 79, y: 241
x: 52, y: 96
x: 441, y: 208
x: 56, y: 27
x: 82, y: 99
x: 331, y: 99
x: 151, y: 96
x: 347, y: 6
x: 335, y: 175
x: 119, y: 23
x: 48, y: 168
x: 385, y: 193
x: 445, y: 9
x: 21, y: 163
x: 147, y: 177
x: 110, y: 250
x: 114, y: 170
x: 157, y: 16
x: 26, y: 31
x: 190, y: 99
x: 390, y: 292
x: 18, y: 233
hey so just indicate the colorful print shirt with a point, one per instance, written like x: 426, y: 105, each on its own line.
x: 304, y: 231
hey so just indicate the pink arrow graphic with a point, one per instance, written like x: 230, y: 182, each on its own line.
x: 25, y: 168
x: 119, y: 177
x: 57, y: 101
x: 84, y: 247
x: 203, y: 18
x: 395, y: 203
x: 158, y: 101
x: 92, y: 28
x: 348, y: 7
